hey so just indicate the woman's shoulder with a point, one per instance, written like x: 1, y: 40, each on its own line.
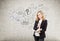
x: 45, y: 20
x: 36, y: 21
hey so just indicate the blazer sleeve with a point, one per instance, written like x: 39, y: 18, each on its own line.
x: 44, y: 26
x: 35, y: 25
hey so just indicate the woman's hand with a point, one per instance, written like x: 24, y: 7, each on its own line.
x: 38, y: 30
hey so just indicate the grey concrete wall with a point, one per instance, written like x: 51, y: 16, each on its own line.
x: 17, y: 19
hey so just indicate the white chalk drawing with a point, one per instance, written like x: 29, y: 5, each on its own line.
x: 25, y: 16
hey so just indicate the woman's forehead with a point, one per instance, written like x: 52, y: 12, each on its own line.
x: 39, y: 13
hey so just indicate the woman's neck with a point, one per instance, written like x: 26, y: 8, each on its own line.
x: 40, y: 19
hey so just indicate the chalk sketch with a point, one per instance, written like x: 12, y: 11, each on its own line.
x: 24, y: 16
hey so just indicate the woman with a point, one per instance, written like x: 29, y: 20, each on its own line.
x: 41, y: 28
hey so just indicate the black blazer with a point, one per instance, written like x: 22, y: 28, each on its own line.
x: 43, y: 26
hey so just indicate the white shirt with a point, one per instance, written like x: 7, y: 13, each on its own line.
x: 39, y: 23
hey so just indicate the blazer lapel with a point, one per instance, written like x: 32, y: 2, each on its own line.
x: 42, y: 23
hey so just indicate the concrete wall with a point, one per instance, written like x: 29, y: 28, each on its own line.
x: 17, y: 19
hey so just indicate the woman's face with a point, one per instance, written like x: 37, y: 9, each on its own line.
x: 39, y: 15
